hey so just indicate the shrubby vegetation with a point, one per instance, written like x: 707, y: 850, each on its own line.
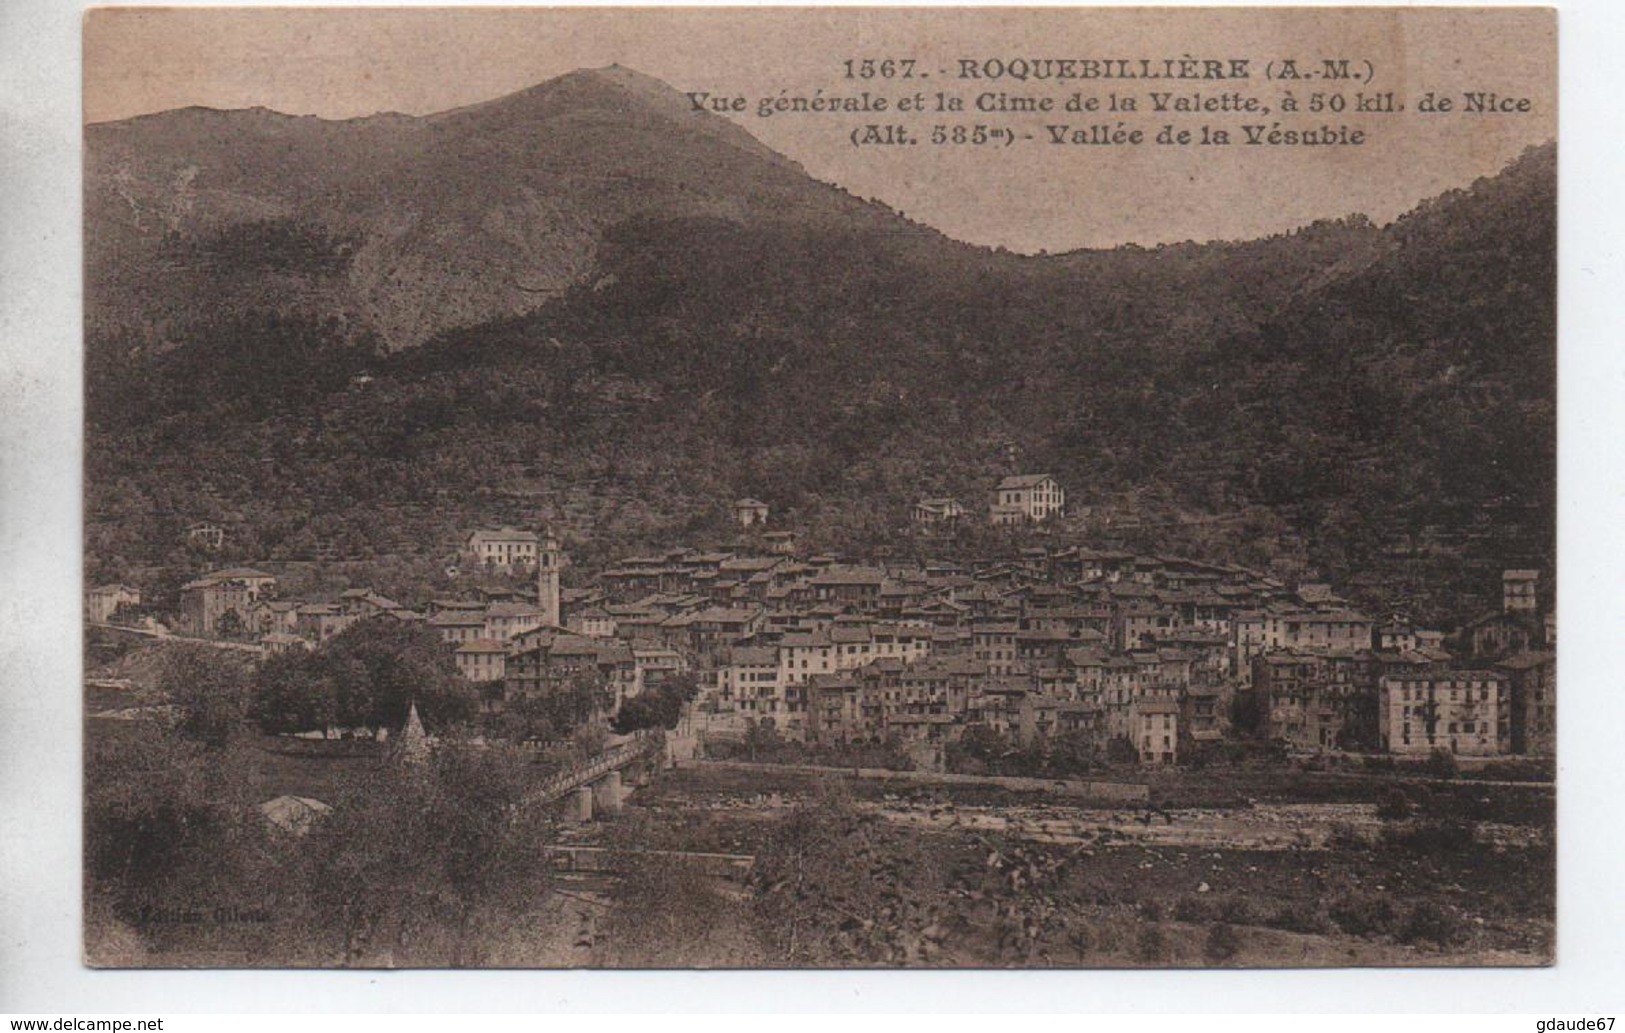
x: 421, y: 850
x: 568, y: 711
x: 658, y: 707
x: 365, y: 676
x: 762, y: 743
x: 983, y: 751
x: 178, y: 856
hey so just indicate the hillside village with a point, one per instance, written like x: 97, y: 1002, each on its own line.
x: 648, y: 555
x: 1152, y: 659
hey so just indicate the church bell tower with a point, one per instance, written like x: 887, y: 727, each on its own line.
x: 547, y: 579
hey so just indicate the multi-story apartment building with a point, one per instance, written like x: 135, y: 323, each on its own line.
x: 1458, y: 711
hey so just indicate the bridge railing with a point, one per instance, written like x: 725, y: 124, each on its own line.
x: 596, y: 767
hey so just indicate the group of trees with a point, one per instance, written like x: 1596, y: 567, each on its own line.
x: 985, y: 751
x: 168, y: 828
x: 554, y: 715
x: 367, y: 675
x: 659, y: 707
x: 412, y: 857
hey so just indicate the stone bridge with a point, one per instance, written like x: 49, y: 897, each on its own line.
x: 596, y: 785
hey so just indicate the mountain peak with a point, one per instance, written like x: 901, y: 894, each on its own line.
x: 413, y: 225
x: 613, y: 91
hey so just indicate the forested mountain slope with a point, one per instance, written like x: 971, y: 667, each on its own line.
x: 574, y: 304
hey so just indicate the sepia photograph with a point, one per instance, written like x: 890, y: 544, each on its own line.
x: 819, y: 488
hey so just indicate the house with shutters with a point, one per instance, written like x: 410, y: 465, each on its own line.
x: 505, y: 549
x: 1026, y: 498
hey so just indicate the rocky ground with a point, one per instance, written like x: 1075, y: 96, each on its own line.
x: 859, y: 875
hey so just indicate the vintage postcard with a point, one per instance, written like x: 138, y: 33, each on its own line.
x: 820, y: 488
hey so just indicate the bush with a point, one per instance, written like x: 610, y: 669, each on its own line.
x: 1441, y: 763
x: 1430, y: 923
x: 833, y: 884
x: 1151, y: 946
x: 1191, y: 909
x: 1432, y: 837
x: 1223, y: 942
x: 1394, y: 805
x: 664, y: 910
x: 1344, y: 836
x: 1079, y: 939
x: 1110, y: 935
x: 1236, y: 911
x: 1363, y: 915
x: 1299, y: 918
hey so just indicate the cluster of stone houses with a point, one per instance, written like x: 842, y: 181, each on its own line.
x: 514, y: 642
x: 1153, y: 650
x: 1162, y: 653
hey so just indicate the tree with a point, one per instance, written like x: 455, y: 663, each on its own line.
x: 400, y: 664
x: 229, y: 624
x: 525, y: 719
x: 411, y: 849
x: 209, y: 689
x: 294, y: 692
x: 761, y: 737
x: 660, y: 707
x: 1441, y: 763
x: 369, y: 674
x: 581, y: 698
x: 649, y: 710
x: 1245, y: 714
x: 980, y: 749
x: 1072, y: 753
x: 1120, y: 751
x: 168, y: 825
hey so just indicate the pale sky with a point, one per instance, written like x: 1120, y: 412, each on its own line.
x: 346, y: 62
